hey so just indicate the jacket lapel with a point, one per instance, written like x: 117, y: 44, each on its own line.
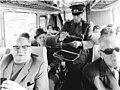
x: 24, y: 72
x: 78, y: 29
x: 107, y: 77
x: 8, y: 70
x: 72, y: 28
x: 4, y: 65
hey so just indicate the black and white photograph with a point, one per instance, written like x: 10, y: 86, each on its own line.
x: 59, y: 44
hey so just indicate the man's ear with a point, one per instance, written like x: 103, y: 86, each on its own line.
x: 100, y: 53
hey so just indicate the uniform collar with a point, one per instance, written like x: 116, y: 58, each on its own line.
x: 80, y: 23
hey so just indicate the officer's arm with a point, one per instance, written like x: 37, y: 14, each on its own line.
x: 88, y: 42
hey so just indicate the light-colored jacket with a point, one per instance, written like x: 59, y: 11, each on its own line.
x: 33, y: 72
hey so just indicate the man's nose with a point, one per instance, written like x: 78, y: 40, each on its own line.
x: 114, y: 53
x: 75, y: 17
x: 20, y: 49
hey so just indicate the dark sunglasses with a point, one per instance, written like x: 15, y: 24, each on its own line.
x: 109, y: 51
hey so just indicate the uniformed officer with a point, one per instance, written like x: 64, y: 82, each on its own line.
x: 79, y: 28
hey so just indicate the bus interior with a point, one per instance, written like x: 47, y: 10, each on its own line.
x: 17, y: 16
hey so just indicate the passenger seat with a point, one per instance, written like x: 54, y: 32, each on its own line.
x: 3, y: 51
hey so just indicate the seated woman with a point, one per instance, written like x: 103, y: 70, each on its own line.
x: 39, y: 37
x: 40, y: 40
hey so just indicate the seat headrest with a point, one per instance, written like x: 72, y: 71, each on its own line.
x: 51, y: 41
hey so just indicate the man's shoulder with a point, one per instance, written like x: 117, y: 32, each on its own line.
x: 68, y: 22
x: 7, y: 58
x: 93, y: 66
x: 85, y: 22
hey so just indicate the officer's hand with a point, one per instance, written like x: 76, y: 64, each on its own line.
x: 63, y: 35
x: 49, y: 68
x: 76, y: 44
x: 63, y: 63
x: 11, y: 85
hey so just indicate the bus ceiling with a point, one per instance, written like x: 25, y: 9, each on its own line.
x: 101, y: 5
x: 93, y: 5
x: 47, y: 6
x: 23, y: 6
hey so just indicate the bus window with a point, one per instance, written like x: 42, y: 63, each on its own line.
x: 16, y: 23
x: 116, y: 16
x: 43, y: 22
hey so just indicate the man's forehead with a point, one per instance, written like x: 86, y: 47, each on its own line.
x: 110, y: 42
x: 21, y: 41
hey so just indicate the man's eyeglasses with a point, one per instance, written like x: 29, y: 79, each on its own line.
x: 25, y: 47
x: 109, y: 51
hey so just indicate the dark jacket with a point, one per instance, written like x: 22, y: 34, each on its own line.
x: 97, y: 76
x: 73, y: 76
x: 78, y: 30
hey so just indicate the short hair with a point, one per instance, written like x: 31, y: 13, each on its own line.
x: 56, y: 28
x: 26, y: 35
x: 49, y: 26
x: 104, y: 31
x: 109, y: 37
x: 108, y: 30
x: 96, y: 27
x: 110, y: 25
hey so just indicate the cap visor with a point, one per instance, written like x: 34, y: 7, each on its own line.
x: 76, y: 13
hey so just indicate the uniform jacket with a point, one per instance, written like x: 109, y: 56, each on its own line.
x: 81, y: 29
x: 76, y: 29
x: 33, y: 72
x: 97, y: 76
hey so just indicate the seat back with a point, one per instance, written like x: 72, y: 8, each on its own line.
x: 3, y: 51
x: 51, y: 41
x: 95, y: 52
x: 40, y: 51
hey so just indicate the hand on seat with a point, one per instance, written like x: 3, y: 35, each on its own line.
x: 76, y: 44
x: 63, y: 35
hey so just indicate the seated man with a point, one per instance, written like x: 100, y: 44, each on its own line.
x: 23, y: 70
x: 103, y: 74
